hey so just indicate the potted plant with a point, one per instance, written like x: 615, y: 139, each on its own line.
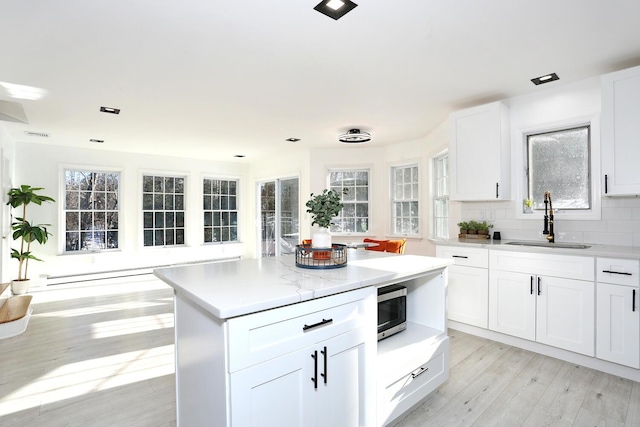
x: 528, y: 205
x: 464, y: 227
x: 473, y: 227
x: 484, y: 227
x: 26, y: 233
x: 323, y: 208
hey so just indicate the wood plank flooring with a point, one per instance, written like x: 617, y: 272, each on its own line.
x: 101, y: 354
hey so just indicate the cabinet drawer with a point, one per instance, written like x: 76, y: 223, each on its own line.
x: 262, y: 336
x: 470, y: 257
x: 618, y: 271
x: 566, y: 266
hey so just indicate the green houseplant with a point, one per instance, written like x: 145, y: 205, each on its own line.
x: 484, y: 227
x: 26, y: 232
x: 323, y: 208
x: 464, y: 227
x: 473, y: 227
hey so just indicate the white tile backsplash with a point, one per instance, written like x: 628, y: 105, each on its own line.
x: 620, y: 223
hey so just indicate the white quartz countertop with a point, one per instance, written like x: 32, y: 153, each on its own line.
x: 235, y: 288
x: 594, y: 249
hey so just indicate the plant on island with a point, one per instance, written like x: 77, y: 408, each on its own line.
x: 324, y: 207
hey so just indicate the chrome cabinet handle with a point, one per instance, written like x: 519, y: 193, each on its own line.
x: 421, y: 371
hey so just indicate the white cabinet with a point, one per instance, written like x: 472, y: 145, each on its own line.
x: 322, y: 385
x: 618, y: 314
x: 480, y: 154
x: 621, y: 132
x: 468, y: 284
x: 527, y: 302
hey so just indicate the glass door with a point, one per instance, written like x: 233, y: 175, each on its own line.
x: 278, y: 204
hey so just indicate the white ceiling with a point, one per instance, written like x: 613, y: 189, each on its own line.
x: 212, y: 79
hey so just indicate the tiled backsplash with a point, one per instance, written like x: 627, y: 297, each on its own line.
x: 620, y: 223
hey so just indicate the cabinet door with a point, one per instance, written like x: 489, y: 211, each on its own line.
x: 344, y: 384
x: 566, y: 314
x: 618, y: 326
x: 468, y: 295
x: 621, y: 132
x: 480, y: 153
x: 512, y: 304
x: 277, y: 393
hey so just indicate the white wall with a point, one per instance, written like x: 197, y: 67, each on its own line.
x: 380, y: 160
x: 620, y: 217
x: 7, y: 154
x: 40, y: 165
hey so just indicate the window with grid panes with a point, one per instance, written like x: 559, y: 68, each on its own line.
x: 220, y: 206
x: 440, y: 167
x: 405, y: 200
x: 91, y: 210
x: 354, y: 217
x: 163, y: 205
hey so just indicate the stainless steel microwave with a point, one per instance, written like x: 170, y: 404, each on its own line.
x: 392, y: 310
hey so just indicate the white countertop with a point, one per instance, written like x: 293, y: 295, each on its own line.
x: 235, y: 288
x: 595, y: 250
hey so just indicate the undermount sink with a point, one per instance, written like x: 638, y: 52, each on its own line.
x: 551, y: 245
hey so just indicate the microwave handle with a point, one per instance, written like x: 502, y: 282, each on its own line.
x: 392, y: 295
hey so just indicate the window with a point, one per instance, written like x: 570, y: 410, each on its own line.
x: 220, y: 206
x: 404, y: 200
x: 559, y: 162
x: 440, y: 168
x: 163, y: 210
x: 354, y: 217
x: 91, y: 210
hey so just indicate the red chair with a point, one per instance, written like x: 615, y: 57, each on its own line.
x: 396, y: 246
x: 382, y: 244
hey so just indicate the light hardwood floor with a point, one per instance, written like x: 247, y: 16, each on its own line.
x: 101, y: 354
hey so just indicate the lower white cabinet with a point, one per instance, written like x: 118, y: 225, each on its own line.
x: 556, y: 311
x: 468, y: 285
x: 618, y: 314
x: 320, y: 385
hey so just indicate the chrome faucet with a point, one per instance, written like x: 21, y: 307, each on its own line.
x: 548, y: 218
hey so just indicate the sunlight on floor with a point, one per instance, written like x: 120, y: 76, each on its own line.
x: 114, y: 328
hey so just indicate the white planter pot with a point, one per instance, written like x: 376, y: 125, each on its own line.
x: 19, y: 287
x: 321, y: 239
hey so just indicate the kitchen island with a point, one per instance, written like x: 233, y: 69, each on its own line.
x: 261, y: 342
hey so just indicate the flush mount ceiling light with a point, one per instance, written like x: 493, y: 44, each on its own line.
x: 292, y: 139
x: 110, y: 110
x: 355, y: 136
x: 545, y: 79
x: 335, y: 9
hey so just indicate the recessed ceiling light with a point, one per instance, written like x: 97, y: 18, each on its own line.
x: 239, y: 156
x: 355, y: 136
x: 97, y: 141
x: 335, y: 9
x: 292, y: 139
x: 110, y: 110
x: 545, y: 79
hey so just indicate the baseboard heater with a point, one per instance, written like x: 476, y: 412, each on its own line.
x: 126, y: 272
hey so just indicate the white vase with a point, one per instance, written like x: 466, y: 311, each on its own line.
x: 321, y: 239
x: 19, y: 287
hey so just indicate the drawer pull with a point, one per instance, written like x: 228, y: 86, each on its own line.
x: 315, y: 369
x: 531, y: 285
x: 421, y: 371
x: 617, y: 272
x: 324, y: 374
x: 538, y: 285
x: 315, y: 325
x: 459, y: 256
x: 633, y: 301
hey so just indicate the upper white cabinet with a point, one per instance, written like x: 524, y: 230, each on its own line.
x: 620, y: 140
x: 479, y: 153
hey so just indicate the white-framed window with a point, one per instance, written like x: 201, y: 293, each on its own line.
x: 559, y: 162
x: 220, y: 209
x: 163, y: 210
x: 91, y: 210
x: 405, y: 200
x: 354, y: 217
x: 440, y: 191
x: 564, y: 158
